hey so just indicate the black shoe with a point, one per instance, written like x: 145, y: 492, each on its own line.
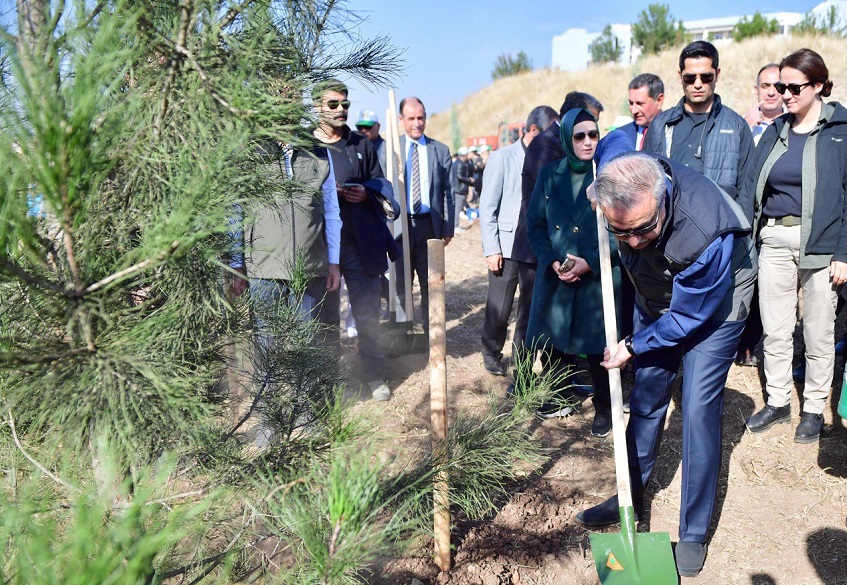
x: 604, y: 514
x: 690, y: 557
x: 747, y: 359
x: 602, y: 424
x: 809, y: 429
x: 559, y: 408
x: 495, y: 367
x: 769, y: 416
x: 582, y: 389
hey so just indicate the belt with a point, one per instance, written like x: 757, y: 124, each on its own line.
x: 419, y: 216
x: 785, y: 221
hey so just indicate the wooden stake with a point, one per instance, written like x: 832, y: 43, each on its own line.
x: 438, y: 398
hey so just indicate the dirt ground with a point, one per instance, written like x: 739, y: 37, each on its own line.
x: 781, y: 517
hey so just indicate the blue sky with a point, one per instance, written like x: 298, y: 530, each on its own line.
x: 451, y: 47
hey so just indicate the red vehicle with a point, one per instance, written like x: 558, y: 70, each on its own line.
x: 507, y: 133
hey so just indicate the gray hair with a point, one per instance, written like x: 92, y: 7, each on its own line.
x: 620, y: 180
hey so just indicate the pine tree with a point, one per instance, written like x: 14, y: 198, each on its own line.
x: 128, y: 143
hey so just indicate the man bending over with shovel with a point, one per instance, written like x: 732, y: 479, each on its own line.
x: 686, y: 245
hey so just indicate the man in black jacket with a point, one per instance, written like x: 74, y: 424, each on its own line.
x: 365, y: 239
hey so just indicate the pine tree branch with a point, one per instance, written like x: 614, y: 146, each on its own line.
x: 32, y: 460
x: 14, y: 360
x: 31, y: 279
x: 182, y: 50
x: 250, y: 410
x: 143, y: 265
x: 233, y: 13
x: 85, y: 23
x: 57, y: 17
x: 320, y: 24
x: 185, y: 21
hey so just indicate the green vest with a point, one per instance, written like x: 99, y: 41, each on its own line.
x: 294, y: 225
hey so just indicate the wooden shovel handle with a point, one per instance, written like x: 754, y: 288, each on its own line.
x: 616, y: 390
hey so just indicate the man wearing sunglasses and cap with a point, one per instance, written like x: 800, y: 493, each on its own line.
x: 368, y: 124
x: 702, y: 133
x: 687, y: 247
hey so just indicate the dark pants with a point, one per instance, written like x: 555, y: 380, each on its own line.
x: 421, y: 231
x: 315, y: 304
x: 365, y: 292
x: 706, y: 358
x: 498, y: 307
x: 460, y: 203
x: 558, y: 360
x: 526, y: 282
x: 752, y: 333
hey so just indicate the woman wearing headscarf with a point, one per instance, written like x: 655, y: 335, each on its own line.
x: 566, y: 314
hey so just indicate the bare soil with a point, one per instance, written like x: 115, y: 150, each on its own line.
x: 782, y: 507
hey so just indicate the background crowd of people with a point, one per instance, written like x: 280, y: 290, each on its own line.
x: 698, y: 201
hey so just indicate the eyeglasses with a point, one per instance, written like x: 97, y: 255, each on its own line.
x: 333, y: 104
x: 690, y: 78
x: 794, y: 88
x: 592, y: 135
x: 639, y: 231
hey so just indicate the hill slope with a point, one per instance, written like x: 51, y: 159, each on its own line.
x: 512, y: 98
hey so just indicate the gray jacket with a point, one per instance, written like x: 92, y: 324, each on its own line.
x: 500, y: 202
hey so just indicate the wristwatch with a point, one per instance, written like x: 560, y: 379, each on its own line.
x: 627, y: 342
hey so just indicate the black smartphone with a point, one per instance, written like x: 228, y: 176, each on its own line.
x: 566, y: 265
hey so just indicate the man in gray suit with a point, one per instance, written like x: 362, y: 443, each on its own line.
x: 429, y: 196
x: 499, y: 209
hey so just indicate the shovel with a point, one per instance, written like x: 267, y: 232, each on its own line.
x: 628, y: 557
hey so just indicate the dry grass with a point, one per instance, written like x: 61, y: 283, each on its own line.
x: 512, y: 98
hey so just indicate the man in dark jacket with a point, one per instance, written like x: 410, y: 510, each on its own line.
x: 365, y: 239
x: 687, y: 247
x: 700, y: 132
x: 461, y: 178
x: 429, y: 196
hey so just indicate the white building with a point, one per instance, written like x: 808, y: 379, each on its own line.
x: 571, y: 48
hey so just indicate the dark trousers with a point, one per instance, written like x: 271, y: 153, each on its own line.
x: 365, y: 292
x: 526, y: 283
x: 752, y: 333
x: 498, y: 307
x: 552, y: 358
x: 706, y: 358
x: 421, y: 231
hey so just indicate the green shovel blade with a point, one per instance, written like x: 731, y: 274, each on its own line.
x: 631, y: 558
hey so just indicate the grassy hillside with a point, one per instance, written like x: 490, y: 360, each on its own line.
x: 512, y: 98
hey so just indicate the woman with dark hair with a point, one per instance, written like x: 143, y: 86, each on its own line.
x: 566, y: 314
x: 799, y: 178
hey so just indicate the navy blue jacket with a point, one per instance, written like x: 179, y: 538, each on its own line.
x: 373, y: 239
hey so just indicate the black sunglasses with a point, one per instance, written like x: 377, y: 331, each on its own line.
x: 690, y: 78
x: 794, y: 88
x: 640, y: 230
x: 592, y: 134
x: 333, y: 104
